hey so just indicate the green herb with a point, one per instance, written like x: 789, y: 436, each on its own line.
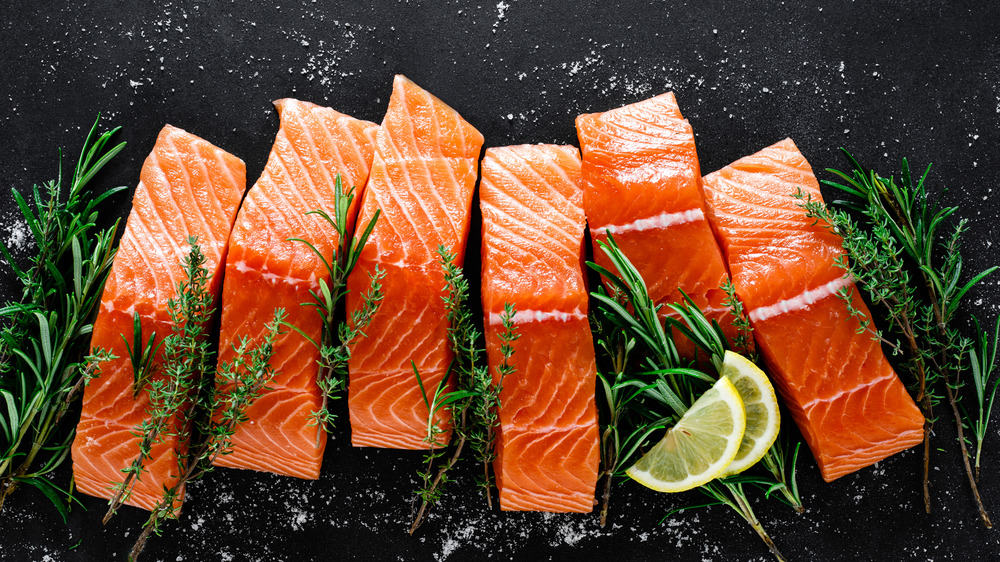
x: 983, y: 365
x: 186, y: 360
x: 659, y: 387
x: 338, y: 338
x: 141, y: 356
x: 46, y: 335
x: 743, y: 342
x: 239, y: 384
x: 904, y: 251
x: 186, y: 401
x: 622, y: 432
x: 486, y: 404
x: 710, y: 338
x: 473, y: 402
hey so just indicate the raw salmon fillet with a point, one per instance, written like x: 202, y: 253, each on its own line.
x: 642, y: 182
x: 851, y: 408
x: 422, y: 178
x: 265, y: 270
x: 548, y: 445
x: 187, y: 187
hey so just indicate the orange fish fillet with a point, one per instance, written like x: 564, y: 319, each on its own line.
x: 187, y: 187
x: 265, y: 270
x: 422, y: 178
x: 642, y: 182
x: 548, y: 444
x: 851, y: 408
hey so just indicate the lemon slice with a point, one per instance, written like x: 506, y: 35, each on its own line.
x: 761, y: 405
x: 699, y: 447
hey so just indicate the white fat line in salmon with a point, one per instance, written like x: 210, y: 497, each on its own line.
x: 849, y: 391
x: 663, y: 220
x: 800, y: 301
x: 525, y: 316
x: 274, y: 278
x: 109, y: 306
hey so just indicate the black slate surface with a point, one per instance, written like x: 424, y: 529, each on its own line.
x: 885, y: 79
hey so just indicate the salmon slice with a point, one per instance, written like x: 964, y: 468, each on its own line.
x: 851, y: 408
x: 265, y: 270
x: 187, y: 187
x: 422, y: 178
x: 642, y: 182
x: 533, y: 225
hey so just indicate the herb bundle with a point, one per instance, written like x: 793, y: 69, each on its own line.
x: 474, y: 401
x: 647, y: 387
x: 903, y: 248
x: 186, y: 401
x: 337, y: 337
x: 45, y: 336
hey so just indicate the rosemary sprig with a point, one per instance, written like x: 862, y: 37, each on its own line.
x: 622, y: 432
x: 650, y: 394
x: 776, y: 460
x: 337, y: 337
x: 911, y: 269
x: 983, y: 363
x: 45, y: 336
x: 473, y: 402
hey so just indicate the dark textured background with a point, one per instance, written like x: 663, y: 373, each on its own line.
x: 885, y: 79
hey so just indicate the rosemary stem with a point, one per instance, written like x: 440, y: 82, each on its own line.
x: 7, y: 487
x: 747, y: 512
x: 606, y: 498
x: 5, y: 466
x: 772, y: 463
x: 925, y: 405
x: 979, y: 450
x: 965, y: 454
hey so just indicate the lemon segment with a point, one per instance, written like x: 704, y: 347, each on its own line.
x: 761, y: 405
x: 699, y: 447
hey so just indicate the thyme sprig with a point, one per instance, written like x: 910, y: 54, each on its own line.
x: 475, y: 398
x: 482, y: 434
x: 188, y: 403
x: 46, y: 334
x: 743, y: 341
x: 338, y: 337
x: 643, y: 398
x: 239, y: 384
x: 900, y: 251
x: 186, y: 361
